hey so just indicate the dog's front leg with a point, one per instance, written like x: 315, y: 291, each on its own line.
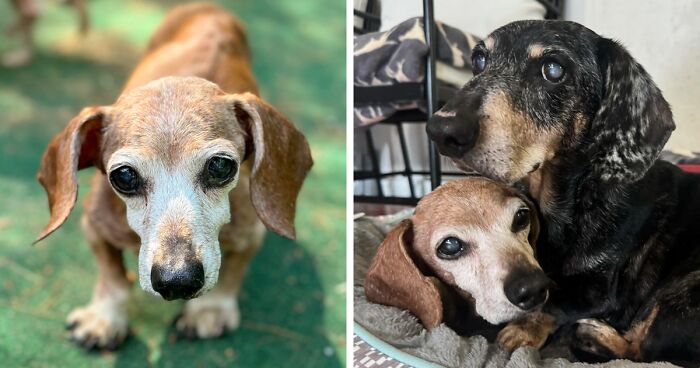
x: 103, y: 323
x: 216, y: 312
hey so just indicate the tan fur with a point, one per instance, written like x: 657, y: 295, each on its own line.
x: 197, y: 40
x: 540, y: 187
x: 627, y: 346
x: 638, y: 333
x: 533, y: 330
x: 535, y: 50
x: 490, y: 42
x: 486, y: 193
x: 508, y: 135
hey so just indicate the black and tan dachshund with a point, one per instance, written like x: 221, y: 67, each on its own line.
x: 575, y: 119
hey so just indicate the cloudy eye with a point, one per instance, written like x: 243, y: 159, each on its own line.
x: 552, y: 71
x: 125, y: 180
x: 450, y: 248
x: 520, y: 220
x: 219, y: 171
x: 478, y: 62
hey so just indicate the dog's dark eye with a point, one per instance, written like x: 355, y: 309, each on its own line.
x: 520, y: 220
x: 125, y: 180
x: 220, y: 170
x: 552, y: 71
x: 450, y: 248
x: 478, y: 62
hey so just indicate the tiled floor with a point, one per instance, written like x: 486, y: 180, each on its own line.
x: 365, y: 356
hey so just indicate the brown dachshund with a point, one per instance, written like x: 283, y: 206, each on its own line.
x: 191, y: 165
x: 469, y: 240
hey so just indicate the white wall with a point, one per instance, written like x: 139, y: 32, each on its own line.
x: 664, y: 36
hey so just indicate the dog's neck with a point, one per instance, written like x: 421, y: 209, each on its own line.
x: 570, y: 198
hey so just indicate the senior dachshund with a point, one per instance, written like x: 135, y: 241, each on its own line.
x: 573, y: 117
x: 191, y: 165
x: 466, y: 255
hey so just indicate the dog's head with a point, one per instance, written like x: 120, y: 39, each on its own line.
x: 172, y: 150
x: 547, y: 88
x: 472, y: 234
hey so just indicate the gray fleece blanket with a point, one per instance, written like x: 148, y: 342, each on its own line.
x: 440, y: 345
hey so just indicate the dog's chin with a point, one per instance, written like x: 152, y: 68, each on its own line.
x: 463, y: 166
x: 488, y: 171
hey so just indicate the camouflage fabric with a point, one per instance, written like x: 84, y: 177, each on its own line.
x: 398, y: 56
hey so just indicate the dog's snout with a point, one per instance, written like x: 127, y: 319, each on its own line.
x: 527, y: 289
x: 455, y: 131
x: 181, y: 283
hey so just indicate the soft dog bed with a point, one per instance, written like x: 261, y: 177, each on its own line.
x: 387, y: 335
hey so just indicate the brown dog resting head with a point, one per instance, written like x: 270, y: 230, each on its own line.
x: 172, y: 150
x: 472, y: 234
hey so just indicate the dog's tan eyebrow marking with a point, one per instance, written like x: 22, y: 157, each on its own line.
x: 489, y: 43
x: 535, y: 50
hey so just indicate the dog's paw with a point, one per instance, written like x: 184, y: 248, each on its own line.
x: 512, y: 337
x: 208, y: 316
x: 595, y: 341
x: 98, y: 326
x: 533, y: 330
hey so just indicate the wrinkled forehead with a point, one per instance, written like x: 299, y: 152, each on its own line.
x: 532, y: 38
x: 478, y: 203
x: 172, y: 122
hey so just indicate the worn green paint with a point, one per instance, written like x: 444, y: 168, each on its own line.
x: 293, y: 299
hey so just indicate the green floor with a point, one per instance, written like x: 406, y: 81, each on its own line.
x: 293, y: 300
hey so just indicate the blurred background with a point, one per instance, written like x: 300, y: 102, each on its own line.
x: 293, y: 298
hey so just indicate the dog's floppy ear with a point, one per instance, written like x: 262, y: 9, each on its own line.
x: 633, y: 121
x: 74, y: 148
x: 281, y: 160
x: 394, y: 279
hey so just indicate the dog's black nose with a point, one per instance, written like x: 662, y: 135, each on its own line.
x: 182, y: 283
x: 527, y: 289
x: 455, y: 128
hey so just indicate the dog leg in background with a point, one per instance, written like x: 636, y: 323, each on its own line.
x: 80, y: 7
x: 27, y: 12
x: 103, y: 322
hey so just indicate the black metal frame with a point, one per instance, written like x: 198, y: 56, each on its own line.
x: 431, y: 91
x: 371, y: 18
